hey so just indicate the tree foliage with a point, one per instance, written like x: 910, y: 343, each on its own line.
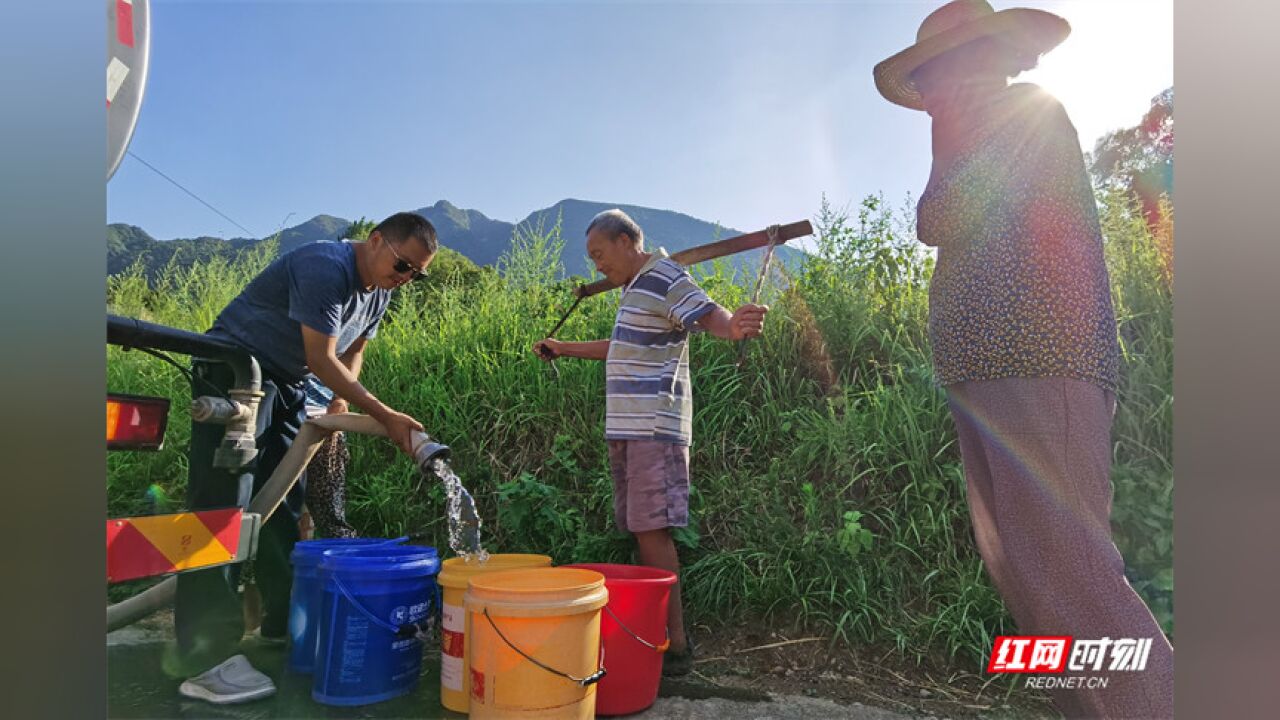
x: 1138, y: 161
x: 360, y: 229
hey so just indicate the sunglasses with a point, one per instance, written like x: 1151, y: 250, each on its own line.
x: 403, y: 266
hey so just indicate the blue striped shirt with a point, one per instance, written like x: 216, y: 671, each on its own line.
x: 648, y: 395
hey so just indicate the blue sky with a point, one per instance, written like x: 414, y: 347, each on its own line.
x: 744, y: 113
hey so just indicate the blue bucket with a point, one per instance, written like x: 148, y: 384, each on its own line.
x: 304, y: 600
x: 375, y: 600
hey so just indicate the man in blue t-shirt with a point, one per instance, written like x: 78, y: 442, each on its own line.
x: 308, y: 314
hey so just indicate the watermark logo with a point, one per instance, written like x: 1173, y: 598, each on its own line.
x: 1125, y: 655
x: 1050, y: 654
x: 1029, y: 654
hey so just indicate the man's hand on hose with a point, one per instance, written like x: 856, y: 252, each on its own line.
x: 400, y: 429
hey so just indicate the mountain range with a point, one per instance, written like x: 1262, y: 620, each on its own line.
x: 481, y: 239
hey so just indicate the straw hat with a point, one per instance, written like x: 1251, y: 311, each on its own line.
x: 955, y: 24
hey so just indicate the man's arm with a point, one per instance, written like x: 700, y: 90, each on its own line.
x: 592, y: 350
x: 745, y: 322
x: 322, y: 360
x: 353, y: 359
x: 689, y: 306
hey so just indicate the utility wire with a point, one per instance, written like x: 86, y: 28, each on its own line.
x: 183, y: 189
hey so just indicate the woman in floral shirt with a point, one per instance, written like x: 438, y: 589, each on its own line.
x: 1024, y: 337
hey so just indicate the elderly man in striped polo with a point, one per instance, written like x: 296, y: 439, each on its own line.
x: 649, y: 401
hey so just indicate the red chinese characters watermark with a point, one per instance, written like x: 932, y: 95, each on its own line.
x: 1063, y: 653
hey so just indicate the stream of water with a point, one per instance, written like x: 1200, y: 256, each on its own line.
x: 464, y: 521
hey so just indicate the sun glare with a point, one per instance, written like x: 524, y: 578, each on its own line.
x: 1119, y: 55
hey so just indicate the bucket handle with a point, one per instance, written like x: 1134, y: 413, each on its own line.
x: 656, y: 648
x: 587, y: 681
x: 417, y: 630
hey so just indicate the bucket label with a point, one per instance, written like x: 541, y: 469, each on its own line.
x: 451, y: 643
x: 451, y: 660
x: 451, y: 647
x: 477, y: 686
x: 400, y: 615
x: 452, y: 618
x: 354, y: 645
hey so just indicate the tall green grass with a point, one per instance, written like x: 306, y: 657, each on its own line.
x: 827, y: 485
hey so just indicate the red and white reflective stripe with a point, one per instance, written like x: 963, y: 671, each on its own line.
x: 124, y: 22
x: 158, y: 544
x: 116, y: 73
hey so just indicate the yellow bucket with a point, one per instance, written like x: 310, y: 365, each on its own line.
x: 455, y: 673
x: 534, y: 643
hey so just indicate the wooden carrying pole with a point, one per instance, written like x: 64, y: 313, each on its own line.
x: 711, y: 251
x: 702, y: 253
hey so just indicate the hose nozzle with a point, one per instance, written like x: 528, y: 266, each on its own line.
x: 426, y: 450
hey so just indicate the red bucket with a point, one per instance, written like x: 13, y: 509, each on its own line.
x: 638, y: 597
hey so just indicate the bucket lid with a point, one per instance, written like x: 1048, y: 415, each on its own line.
x: 456, y: 571
x: 406, y: 559
x: 309, y: 553
x: 537, y: 592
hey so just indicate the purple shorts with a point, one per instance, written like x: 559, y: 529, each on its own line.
x: 650, y: 484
